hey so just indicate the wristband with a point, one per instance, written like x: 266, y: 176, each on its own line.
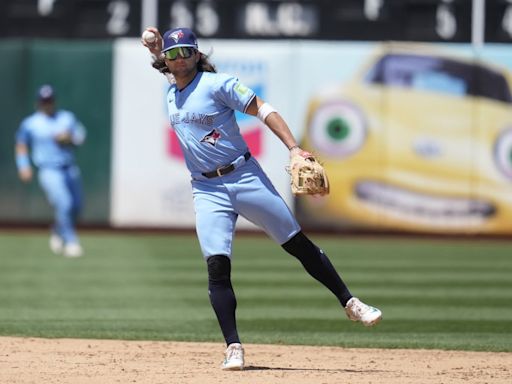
x: 293, y: 147
x: 22, y: 161
x: 265, y: 110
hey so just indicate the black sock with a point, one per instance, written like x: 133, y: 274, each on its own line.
x: 316, y: 262
x: 222, y: 296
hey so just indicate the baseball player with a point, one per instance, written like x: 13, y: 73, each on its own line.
x: 51, y: 136
x: 227, y: 181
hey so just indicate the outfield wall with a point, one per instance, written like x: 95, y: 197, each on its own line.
x: 133, y: 170
x: 81, y: 72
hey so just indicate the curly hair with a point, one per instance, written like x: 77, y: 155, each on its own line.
x: 204, y: 64
x: 159, y: 64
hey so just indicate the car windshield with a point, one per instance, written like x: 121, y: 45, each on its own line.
x: 434, y: 74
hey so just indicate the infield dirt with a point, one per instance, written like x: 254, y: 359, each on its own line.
x: 77, y: 361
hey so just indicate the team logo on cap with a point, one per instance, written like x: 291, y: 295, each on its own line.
x: 46, y: 92
x: 211, y: 138
x: 177, y: 35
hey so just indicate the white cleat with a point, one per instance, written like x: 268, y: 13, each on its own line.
x: 358, y: 311
x: 234, y: 358
x: 73, y: 250
x: 56, y: 244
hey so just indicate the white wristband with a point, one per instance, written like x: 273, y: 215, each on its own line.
x: 265, y: 110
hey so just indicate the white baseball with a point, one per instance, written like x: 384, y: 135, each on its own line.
x: 149, y: 37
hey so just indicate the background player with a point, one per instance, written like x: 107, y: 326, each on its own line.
x: 228, y: 182
x: 51, y: 136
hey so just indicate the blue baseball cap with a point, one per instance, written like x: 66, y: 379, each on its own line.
x: 45, y: 92
x: 179, y: 37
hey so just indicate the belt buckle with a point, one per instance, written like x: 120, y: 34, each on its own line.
x: 225, y: 169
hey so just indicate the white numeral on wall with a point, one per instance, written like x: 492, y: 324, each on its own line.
x: 117, y: 23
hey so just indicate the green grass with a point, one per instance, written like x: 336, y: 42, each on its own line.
x: 434, y: 293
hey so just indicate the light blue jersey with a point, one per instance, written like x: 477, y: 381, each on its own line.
x: 203, y: 116
x: 58, y: 174
x: 38, y: 131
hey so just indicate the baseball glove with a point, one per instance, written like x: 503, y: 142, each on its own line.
x: 308, y: 176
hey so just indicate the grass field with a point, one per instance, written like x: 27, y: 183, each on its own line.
x: 447, y: 294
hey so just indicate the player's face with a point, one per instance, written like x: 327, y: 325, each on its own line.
x: 181, y: 61
x: 47, y: 106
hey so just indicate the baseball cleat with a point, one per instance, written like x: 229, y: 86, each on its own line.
x: 358, y: 311
x: 73, y: 250
x: 234, y: 358
x: 56, y: 244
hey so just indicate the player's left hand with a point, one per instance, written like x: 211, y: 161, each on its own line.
x: 308, y: 176
x: 297, y: 151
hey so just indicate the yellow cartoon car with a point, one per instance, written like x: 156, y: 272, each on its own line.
x: 418, y: 141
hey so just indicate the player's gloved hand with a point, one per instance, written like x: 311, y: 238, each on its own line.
x: 308, y: 176
x: 63, y: 138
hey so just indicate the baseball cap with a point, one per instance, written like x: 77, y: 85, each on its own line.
x: 46, y: 92
x: 179, y: 37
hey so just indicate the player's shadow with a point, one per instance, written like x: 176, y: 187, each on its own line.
x: 262, y: 368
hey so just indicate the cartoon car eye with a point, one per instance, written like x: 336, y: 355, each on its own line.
x: 503, y: 152
x: 337, y: 129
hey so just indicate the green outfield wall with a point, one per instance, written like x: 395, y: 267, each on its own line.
x: 81, y: 74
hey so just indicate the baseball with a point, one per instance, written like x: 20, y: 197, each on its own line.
x: 149, y: 37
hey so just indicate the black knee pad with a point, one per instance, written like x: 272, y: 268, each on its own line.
x: 219, y: 268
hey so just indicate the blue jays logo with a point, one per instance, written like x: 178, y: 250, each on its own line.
x: 211, y: 138
x: 177, y: 35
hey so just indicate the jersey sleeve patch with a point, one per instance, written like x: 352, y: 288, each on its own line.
x: 241, y: 89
